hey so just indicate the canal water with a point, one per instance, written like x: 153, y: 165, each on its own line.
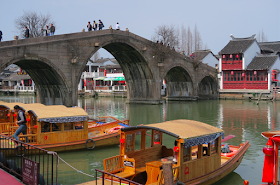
x: 244, y: 119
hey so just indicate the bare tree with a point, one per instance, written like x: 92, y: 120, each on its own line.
x: 96, y: 56
x: 261, y: 37
x: 34, y: 22
x: 190, y: 41
x: 165, y: 38
x: 184, y: 37
x: 198, y: 45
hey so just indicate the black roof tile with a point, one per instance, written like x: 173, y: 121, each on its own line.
x: 273, y: 46
x: 262, y: 62
x: 236, y: 46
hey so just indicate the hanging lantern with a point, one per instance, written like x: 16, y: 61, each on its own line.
x: 27, y: 119
x: 230, y: 56
x: 105, y: 72
x: 224, y: 56
x: 243, y: 74
x: 8, y: 115
x: 255, y: 72
x: 35, y: 126
x: 15, y: 115
x: 237, y: 56
x: 122, y: 141
x: 232, y: 72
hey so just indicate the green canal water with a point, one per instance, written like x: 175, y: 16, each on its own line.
x: 244, y: 119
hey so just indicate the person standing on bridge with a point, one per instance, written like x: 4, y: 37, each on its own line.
x: 26, y: 34
x: 47, y: 30
x: 1, y: 35
x: 101, y: 25
x: 89, y: 26
x: 52, y: 29
x: 118, y: 26
x: 21, y: 121
x: 94, y: 25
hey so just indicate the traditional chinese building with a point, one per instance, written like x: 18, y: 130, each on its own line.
x: 244, y: 64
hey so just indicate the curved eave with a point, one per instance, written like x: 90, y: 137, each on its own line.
x: 131, y: 128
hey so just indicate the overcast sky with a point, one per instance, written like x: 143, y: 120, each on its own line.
x: 215, y: 19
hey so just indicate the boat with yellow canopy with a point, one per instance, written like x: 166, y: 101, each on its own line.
x: 60, y: 128
x: 196, y: 155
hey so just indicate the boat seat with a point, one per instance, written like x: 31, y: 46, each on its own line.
x: 124, y: 174
x: 140, y: 170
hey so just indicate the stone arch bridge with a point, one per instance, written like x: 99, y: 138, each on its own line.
x: 56, y: 63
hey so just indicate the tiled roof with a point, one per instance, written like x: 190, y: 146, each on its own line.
x: 273, y: 46
x: 201, y: 54
x: 262, y: 62
x: 236, y: 46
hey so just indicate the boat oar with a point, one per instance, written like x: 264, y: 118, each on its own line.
x: 227, y: 138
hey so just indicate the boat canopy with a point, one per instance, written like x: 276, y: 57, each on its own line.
x: 109, y: 79
x: 120, y: 78
x: 193, y: 132
x: 60, y: 114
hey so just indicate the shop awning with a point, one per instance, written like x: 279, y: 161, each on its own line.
x: 109, y: 79
x: 119, y: 79
x: 100, y: 78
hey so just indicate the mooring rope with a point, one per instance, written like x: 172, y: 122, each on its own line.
x: 79, y: 171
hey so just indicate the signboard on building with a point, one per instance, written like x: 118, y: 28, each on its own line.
x: 30, y: 172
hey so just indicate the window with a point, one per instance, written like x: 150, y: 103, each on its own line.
x: 227, y: 57
x: 231, y: 78
x: 68, y: 126
x: 129, y: 142
x: 258, y: 77
x: 45, y: 127
x: 214, y: 147
x: 251, y: 76
x: 228, y: 75
x: 265, y: 76
x: 247, y: 76
x: 238, y: 76
x: 148, y: 139
x: 187, y: 154
x: 56, y: 127
x: 242, y: 76
x: 225, y: 77
x: 240, y: 57
x: 79, y: 125
x: 138, y: 140
x: 255, y: 77
x: 233, y: 57
x: 235, y: 76
x: 261, y: 76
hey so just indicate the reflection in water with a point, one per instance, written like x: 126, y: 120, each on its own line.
x: 244, y: 119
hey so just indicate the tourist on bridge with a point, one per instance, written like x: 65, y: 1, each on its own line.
x: 1, y: 35
x: 26, y: 34
x: 94, y: 25
x: 47, y: 30
x: 118, y: 26
x: 52, y: 29
x: 89, y: 27
x: 101, y: 25
x: 21, y: 121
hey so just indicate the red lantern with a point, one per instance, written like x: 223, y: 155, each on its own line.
x: 232, y: 72
x: 224, y: 56
x: 176, y: 149
x: 122, y: 141
x: 255, y: 72
x: 15, y: 115
x: 35, y: 126
x: 243, y: 74
x: 27, y: 119
x: 230, y: 56
x: 8, y: 115
x: 237, y: 56
x: 105, y: 72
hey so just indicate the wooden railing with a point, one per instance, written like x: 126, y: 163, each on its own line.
x: 5, y: 128
x: 31, y: 138
x: 113, y: 164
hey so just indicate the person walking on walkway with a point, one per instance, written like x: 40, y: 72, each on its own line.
x: 47, y: 30
x: 1, y: 35
x: 101, y: 25
x: 118, y: 26
x: 26, y: 34
x: 21, y: 121
x: 89, y: 27
x: 94, y: 25
x: 52, y: 29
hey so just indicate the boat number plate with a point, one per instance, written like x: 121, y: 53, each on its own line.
x: 128, y: 163
x: 187, y: 170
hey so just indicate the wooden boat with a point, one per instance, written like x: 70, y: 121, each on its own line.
x: 270, y: 167
x: 59, y: 128
x: 197, y: 154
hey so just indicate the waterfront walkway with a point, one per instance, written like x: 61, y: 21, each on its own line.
x: 6, y: 178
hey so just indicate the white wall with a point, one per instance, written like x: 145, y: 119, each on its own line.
x: 211, y: 60
x: 250, y: 53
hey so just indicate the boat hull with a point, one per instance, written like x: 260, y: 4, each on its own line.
x: 223, y: 171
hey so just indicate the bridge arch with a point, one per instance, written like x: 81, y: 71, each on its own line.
x: 138, y: 74
x: 207, y: 87
x: 51, y: 84
x: 179, y: 83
